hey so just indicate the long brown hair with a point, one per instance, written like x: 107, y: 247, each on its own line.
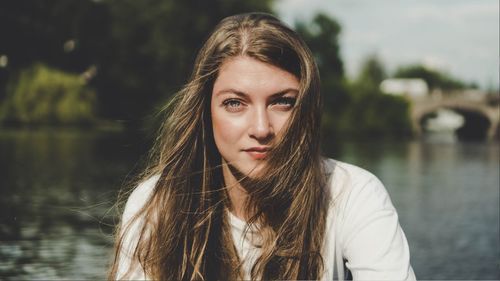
x: 185, y: 234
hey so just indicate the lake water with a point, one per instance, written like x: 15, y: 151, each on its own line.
x: 58, y: 189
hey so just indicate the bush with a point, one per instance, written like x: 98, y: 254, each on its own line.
x: 45, y: 96
x: 382, y: 115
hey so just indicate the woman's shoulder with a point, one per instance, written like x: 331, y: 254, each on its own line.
x: 348, y: 183
x: 131, y: 226
x: 139, y: 196
x: 366, y: 225
x: 341, y: 174
x: 343, y: 170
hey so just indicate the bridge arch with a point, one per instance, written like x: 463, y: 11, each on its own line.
x: 481, y: 120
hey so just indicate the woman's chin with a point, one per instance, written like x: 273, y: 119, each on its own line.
x: 251, y: 170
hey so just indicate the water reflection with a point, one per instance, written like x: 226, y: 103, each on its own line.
x: 57, y: 190
x: 447, y: 195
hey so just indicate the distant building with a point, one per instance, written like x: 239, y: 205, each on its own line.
x: 410, y: 87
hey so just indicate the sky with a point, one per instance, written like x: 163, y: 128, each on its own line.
x: 460, y: 37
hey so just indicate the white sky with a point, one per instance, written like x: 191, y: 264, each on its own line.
x: 457, y: 36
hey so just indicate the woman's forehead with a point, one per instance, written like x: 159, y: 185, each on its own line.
x: 248, y: 75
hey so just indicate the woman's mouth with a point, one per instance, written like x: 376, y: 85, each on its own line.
x: 257, y: 153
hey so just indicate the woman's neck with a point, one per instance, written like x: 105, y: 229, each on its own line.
x: 236, y: 192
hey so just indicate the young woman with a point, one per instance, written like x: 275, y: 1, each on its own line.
x: 237, y: 188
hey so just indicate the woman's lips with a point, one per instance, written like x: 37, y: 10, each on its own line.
x: 257, y: 153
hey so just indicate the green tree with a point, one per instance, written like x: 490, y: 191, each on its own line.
x: 152, y: 47
x: 142, y: 50
x: 435, y: 79
x: 372, y: 112
x: 372, y: 72
x: 38, y: 31
x: 367, y: 82
x: 46, y: 96
x: 322, y: 37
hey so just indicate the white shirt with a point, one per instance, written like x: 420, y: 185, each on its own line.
x: 362, y: 228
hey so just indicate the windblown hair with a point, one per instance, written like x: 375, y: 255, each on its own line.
x: 184, y: 232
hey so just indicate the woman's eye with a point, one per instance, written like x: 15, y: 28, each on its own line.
x: 285, y: 102
x: 232, y: 105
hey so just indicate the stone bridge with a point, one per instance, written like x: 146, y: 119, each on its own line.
x: 465, y: 102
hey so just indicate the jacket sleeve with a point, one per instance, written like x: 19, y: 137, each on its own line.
x: 372, y: 240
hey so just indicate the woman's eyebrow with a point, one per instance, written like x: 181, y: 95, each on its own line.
x: 231, y: 91
x: 286, y: 91
x: 244, y: 95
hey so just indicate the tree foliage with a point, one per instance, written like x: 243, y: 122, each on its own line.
x: 322, y: 37
x: 143, y: 52
x: 435, y: 79
x: 46, y: 96
x: 371, y: 112
x: 152, y: 48
x: 372, y: 72
x: 37, y: 30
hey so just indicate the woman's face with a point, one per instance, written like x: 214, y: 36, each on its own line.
x: 251, y: 101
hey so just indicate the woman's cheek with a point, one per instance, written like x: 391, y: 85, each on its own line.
x: 228, y: 129
x: 278, y: 121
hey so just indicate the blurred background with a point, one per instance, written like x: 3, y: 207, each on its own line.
x: 411, y: 93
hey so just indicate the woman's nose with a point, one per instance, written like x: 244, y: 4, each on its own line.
x: 261, y: 126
